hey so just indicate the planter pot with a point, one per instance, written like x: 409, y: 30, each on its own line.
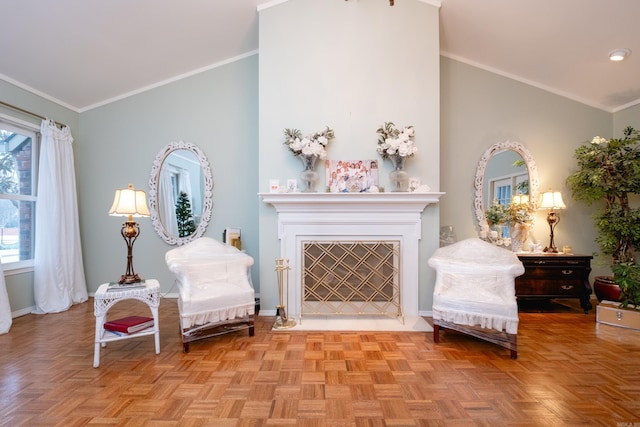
x: 606, y: 289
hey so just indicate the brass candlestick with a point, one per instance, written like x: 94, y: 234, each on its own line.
x: 282, y: 321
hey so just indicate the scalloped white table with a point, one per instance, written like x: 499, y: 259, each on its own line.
x: 105, y: 299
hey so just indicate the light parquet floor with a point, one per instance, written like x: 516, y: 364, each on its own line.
x: 569, y: 372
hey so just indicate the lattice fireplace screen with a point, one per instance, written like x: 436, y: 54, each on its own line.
x: 351, y: 278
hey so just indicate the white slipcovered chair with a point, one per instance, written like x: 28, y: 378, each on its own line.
x: 215, y: 292
x: 475, y: 292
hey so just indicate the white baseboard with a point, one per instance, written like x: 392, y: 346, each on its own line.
x: 428, y: 313
x: 22, y: 312
x: 267, y: 312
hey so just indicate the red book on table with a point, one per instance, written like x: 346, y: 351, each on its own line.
x: 129, y: 324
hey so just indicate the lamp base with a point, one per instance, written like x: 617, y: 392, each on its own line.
x: 129, y: 279
x: 130, y: 232
x: 553, y: 219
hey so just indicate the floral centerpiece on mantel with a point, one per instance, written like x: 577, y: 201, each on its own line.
x: 393, y: 142
x: 308, y: 149
x: 311, y: 145
x: 397, y: 146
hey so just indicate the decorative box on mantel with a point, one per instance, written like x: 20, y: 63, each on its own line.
x: 351, y: 217
x: 610, y: 313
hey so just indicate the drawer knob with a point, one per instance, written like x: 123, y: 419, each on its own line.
x: 566, y: 287
x: 567, y: 271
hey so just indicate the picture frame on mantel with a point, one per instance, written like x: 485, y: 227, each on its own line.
x: 351, y: 176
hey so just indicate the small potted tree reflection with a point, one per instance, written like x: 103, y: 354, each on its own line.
x: 184, y: 216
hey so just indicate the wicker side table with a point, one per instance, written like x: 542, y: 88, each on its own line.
x: 104, y: 300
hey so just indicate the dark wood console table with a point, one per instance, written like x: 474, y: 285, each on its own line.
x: 548, y: 276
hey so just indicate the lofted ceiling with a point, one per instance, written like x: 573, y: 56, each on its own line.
x: 85, y: 53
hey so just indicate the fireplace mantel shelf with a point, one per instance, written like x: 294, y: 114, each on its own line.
x: 350, y: 202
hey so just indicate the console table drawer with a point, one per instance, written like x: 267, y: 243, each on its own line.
x: 556, y: 288
x: 555, y: 273
x: 533, y: 261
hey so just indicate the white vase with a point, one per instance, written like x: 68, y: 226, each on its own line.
x: 519, y: 233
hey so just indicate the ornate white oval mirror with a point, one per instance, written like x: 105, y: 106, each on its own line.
x: 180, y: 193
x: 504, y: 165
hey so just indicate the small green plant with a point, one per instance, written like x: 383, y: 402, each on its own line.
x: 627, y: 277
x: 497, y: 214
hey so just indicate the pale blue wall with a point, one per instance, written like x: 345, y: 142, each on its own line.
x: 624, y: 118
x: 216, y: 110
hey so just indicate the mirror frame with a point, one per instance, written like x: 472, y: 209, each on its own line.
x: 482, y: 166
x: 207, y: 201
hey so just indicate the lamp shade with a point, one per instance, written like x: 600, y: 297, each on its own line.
x: 129, y: 202
x: 520, y: 199
x: 552, y: 200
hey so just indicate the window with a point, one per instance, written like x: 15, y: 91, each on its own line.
x: 503, y: 189
x: 18, y: 172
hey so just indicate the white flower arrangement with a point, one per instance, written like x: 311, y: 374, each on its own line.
x: 597, y: 140
x: 310, y: 145
x: 393, y: 142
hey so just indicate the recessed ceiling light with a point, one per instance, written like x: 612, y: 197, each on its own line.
x: 619, y: 54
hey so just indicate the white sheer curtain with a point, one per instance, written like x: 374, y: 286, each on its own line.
x: 5, y: 308
x: 167, y: 203
x: 185, y: 185
x: 59, y: 280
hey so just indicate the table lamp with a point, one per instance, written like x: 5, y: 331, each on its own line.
x: 130, y: 202
x: 552, y: 200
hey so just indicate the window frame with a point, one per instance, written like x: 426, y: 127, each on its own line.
x: 14, y: 124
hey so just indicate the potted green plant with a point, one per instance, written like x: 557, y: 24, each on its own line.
x: 627, y: 277
x: 608, y: 175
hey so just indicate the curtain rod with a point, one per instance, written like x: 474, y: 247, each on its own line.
x: 30, y: 113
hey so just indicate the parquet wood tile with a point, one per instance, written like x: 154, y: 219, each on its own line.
x: 570, y: 371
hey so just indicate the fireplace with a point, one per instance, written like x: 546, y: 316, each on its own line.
x: 351, y: 278
x: 387, y: 225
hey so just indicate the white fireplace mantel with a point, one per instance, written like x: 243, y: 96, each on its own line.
x: 351, y: 202
x: 351, y: 216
